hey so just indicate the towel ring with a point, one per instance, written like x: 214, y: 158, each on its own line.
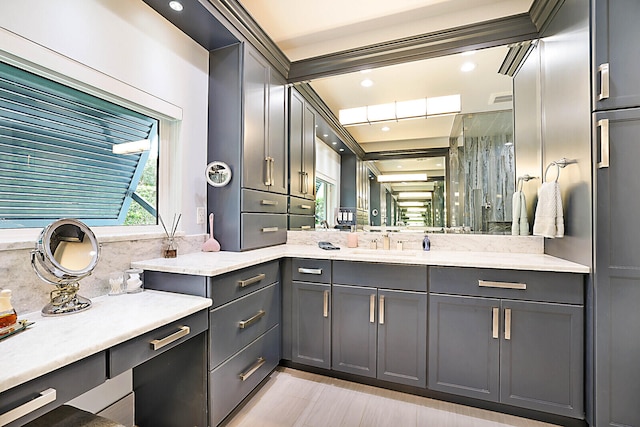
x: 546, y: 171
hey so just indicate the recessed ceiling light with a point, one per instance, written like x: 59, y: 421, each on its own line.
x: 385, y: 129
x: 366, y: 83
x: 468, y: 66
x: 334, y: 143
x: 176, y: 5
x: 438, y: 164
x: 399, y: 166
x: 325, y: 135
x: 468, y: 53
x: 342, y: 149
x: 365, y: 71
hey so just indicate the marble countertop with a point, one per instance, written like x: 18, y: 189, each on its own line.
x: 54, y: 342
x: 216, y: 263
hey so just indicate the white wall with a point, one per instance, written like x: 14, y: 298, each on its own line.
x: 128, y: 41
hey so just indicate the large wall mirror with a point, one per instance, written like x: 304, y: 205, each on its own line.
x: 457, y: 153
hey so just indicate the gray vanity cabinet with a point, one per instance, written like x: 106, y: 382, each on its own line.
x: 302, y: 156
x: 616, y: 56
x: 508, y: 336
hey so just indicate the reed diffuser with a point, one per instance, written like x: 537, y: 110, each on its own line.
x: 170, y: 248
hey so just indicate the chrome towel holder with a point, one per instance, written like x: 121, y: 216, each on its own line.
x: 522, y: 179
x: 562, y: 163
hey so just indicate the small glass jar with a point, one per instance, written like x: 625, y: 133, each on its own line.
x: 116, y: 283
x: 133, y: 280
x: 169, y: 248
x: 8, y: 315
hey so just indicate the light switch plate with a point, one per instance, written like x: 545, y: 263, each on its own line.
x: 200, y: 215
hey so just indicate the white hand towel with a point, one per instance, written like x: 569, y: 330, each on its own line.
x: 520, y: 223
x: 549, y: 219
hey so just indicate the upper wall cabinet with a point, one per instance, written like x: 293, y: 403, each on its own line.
x: 302, y: 124
x: 616, y: 54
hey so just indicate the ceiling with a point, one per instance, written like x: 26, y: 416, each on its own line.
x: 304, y: 30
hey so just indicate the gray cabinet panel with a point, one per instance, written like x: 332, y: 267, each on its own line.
x: 254, y: 168
x: 402, y: 337
x: 309, y: 153
x: 238, y: 323
x: 615, y: 27
x: 236, y: 284
x: 302, y: 222
x: 300, y: 206
x: 354, y: 330
x: 311, y: 270
x: 463, y: 352
x: 302, y: 119
x: 277, y: 133
x: 311, y: 324
x: 390, y: 276
x: 261, y: 230
x: 261, y: 201
x: 541, y: 362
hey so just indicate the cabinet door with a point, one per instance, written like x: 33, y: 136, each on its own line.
x: 354, y: 330
x: 617, y: 273
x: 541, y: 364
x: 255, y: 165
x: 309, y: 153
x: 615, y: 26
x: 311, y: 324
x: 277, y: 134
x: 402, y: 337
x: 464, y: 346
x: 296, y: 136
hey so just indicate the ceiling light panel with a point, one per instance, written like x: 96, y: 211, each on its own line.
x: 403, y: 177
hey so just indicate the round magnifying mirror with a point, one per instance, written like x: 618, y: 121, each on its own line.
x: 374, y: 212
x: 66, y: 251
x: 218, y: 174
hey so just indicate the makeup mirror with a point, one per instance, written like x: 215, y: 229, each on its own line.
x: 66, y: 252
x: 218, y: 174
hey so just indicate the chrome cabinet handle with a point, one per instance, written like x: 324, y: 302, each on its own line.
x: 316, y: 271
x: 44, y: 398
x: 305, y: 227
x: 325, y: 309
x: 302, y: 182
x: 269, y: 171
x: 269, y: 229
x: 268, y: 202
x: 604, y: 143
x: 501, y: 285
x: 245, y: 375
x: 158, y: 344
x: 251, y: 281
x: 507, y: 323
x: 253, y: 319
x: 372, y: 308
x: 306, y: 183
x: 603, y: 69
x: 307, y: 207
x: 381, y: 310
x: 495, y: 333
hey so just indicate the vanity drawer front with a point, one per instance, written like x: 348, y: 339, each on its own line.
x: 258, y: 201
x: 49, y: 391
x: 232, y: 381
x: 260, y: 230
x: 238, y: 323
x: 131, y: 353
x: 302, y: 222
x: 389, y: 276
x: 544, y: 286
x: 236, y: 284
x: 311, y: 270
x: 302, y: 206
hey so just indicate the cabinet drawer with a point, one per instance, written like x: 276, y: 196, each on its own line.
x: 232, y: 381
x: 513, y: 284
x: 302, y: 222
x: 236, y: 284
x: 140, y: 349
x: 389, y: 276
x: 238, y: 323
x: 260, y: 230
x: 311, y: 270
x: 49, y: 391
x: 260, y: 201
x: 302, y: 206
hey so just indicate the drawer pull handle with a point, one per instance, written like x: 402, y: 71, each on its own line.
x: 501, y: 285
x: 269, y: 202
x: 604, y: 81
x: 604, y: 143
x: 245, y: 375
x: 308, y: 207
x: 251, y: 281
x: 316, y: 271
x: 372, y: 308
x: 495, y: 333
x: 305, y: 227
x: 269, y: 229
x: 253, y: 319
x: 45, y: 397
x: 507, y: 323
x: 325, y: 308
x: 158, y: 344
x: 381, y: 308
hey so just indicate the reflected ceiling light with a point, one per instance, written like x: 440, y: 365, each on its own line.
x: 468, y: 53
x: 414, y: 195
x: 387, y: 129
x: 334, y: 143
x: 413, y: 215
x: 366, y: 83
x: 400, y: 110
x: 403, y: 177
x: 423, y: 209
x: 468, y: 66
x: 408, y: 204
x: 342, y: 149
x: 176, y: 5
x: 132, y: 147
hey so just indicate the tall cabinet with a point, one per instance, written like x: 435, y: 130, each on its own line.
x: 248, y: 130
x: 616, y: 126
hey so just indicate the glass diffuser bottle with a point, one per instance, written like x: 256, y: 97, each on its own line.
x: 8, y: 316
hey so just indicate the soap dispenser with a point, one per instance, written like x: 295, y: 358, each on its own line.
x: 8, y: 316
x: 352, y: 238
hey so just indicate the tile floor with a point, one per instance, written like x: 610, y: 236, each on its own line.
x: 293, y: 398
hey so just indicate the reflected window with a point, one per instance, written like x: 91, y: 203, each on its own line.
x: 326, y: 203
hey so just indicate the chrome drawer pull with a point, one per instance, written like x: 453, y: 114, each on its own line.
x: 501, y: 285
x: 269, y: 202
x: 45, y: 397
x: 305, y: 207
x: 372, y: 308
x: 603, y: 69
x: 316, y: 271
x: 604, y: 143
x: 245, y: 375
x: 158, y: 344
x: 381, y: 309
x: 305, y: 227
x: 495, y: 333
x: 244, y: 323
x: 507, y: 323
x: 269, y: 229
x: 325, y: 308
x: 251, y: 281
